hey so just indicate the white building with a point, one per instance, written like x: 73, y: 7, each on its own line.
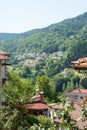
x: 77, y: 95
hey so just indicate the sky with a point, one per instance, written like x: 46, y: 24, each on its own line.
x: 17, y: 16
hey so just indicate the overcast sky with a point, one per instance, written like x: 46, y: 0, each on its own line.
x: 23, y: 15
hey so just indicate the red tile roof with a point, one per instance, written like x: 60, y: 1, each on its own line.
x: 76, y: 115
x: 80, y: 63
x: 80, y: 104
x: 80, y: 66
x: 58, y: 121
x: 78, y: 91
x: 82, y: 125
x: 4, y: 53
x: 37, y: 106
x: 3, y: 57
x: 81, y: 60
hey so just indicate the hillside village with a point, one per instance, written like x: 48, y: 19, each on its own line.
x: 75, y: 99
x: 43, y: 65
x: 32, y: 58
x: 45, y: 97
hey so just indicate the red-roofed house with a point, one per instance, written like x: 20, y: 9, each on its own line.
x: 38, y: 106
x: 80, y: 64
x: 76, y: 116
x: 77, y: 95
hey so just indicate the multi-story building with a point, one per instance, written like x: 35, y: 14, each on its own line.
x: 4, y: 56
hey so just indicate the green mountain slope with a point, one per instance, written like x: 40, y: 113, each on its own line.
x: 56, y: 37
x: 69, y: 36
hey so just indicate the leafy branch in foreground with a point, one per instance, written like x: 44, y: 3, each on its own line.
x: 67, y: 122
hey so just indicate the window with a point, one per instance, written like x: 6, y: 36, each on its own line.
x: 75, y: 97
x: 81, y: 97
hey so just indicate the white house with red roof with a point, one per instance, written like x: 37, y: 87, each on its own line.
x: 77, y: 95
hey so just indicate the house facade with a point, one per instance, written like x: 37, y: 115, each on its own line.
x: 4, y: 56
x: 77, y: 95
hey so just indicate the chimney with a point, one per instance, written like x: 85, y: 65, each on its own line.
x: 41, y: 96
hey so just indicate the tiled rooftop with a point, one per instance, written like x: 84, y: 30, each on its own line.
x: 4, y: 53
x: 78, y: 91
x: 2, y: 57
x: 37, y: 106
x: 80, y: 63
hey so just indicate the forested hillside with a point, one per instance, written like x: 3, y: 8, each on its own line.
x: 40, y: 62
x: 46, y: 54
x: 57, y: 37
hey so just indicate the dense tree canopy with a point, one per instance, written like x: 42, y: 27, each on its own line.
x: 15, y: 94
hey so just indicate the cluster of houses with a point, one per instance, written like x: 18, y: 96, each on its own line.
x: 32, y: 58
x: 76, y: 99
